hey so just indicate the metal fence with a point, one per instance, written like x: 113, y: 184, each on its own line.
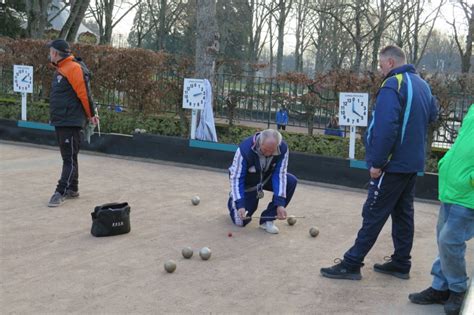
x: 257, y: 99
x: 254, y: 101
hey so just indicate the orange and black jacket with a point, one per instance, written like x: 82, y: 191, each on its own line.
x: 70, y: 98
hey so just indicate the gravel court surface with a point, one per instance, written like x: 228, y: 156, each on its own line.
x: 50, y: 263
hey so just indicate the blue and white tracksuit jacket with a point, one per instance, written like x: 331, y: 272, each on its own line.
x: 396, y: 137
x: 246, y: 171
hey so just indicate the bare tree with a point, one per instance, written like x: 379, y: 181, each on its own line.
x: 164, y: 15
x: 465, y: 53
x: 37, y: 15
x: 415, y: 24
x: 351, y: 20
x: 379, y: 19
x: 105, y: 14
x: 302, y: 28
x: 331, y: 43
x: 419, y: 47
x: 141, y: 26
x: 258, y: 13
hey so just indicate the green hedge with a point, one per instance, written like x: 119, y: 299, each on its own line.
x: 111, y: 122
x: 169, y: 125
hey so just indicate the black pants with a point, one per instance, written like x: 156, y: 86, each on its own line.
x: 282, y: 127
x: 69, y: 140
x: 391, y: 195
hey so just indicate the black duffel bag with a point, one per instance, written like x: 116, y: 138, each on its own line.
x: 111, y: 219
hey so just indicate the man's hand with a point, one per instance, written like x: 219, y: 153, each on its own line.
x: 375, y: 172
x: 94, y: 120
x: 242, y: 213
x: 281, y: 213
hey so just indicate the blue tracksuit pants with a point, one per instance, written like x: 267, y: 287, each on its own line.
x: 251, y: 202
x: 391, y: 195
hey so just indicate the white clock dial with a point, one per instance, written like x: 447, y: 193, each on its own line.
x: 23, y: 79
x: 194, y: 94
x: 353, y: 109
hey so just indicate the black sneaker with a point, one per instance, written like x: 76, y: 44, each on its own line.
x: 71, y: 194
x: 340, y: 271
x: 390, y: 268
x: 429, y: 296
x: 454, y: 303
x: 56, y: 200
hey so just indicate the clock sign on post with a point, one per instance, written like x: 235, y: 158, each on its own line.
x: 23, y: 83
x: 194, y: 97
x: 353, y: 109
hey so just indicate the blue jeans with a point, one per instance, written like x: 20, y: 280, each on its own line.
x: 455, y: 227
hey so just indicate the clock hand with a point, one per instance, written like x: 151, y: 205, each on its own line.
x: 23, y: 80
x: 197, y: 94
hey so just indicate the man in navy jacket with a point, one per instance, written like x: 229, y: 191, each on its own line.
x: 260, y: 163
x: 395, y: 152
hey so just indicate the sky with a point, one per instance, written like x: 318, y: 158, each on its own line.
x: 448, y: 12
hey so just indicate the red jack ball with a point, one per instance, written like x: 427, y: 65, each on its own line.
x: 230, y: 234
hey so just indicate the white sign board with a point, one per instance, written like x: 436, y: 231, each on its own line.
x: 194, y: 94
x: 23, y: 79
x: 353, y: 109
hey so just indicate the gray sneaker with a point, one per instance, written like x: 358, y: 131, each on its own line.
x: 56, y: 200
x: 71, y: 194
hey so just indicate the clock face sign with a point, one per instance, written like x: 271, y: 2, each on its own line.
x: 194, y: 94
x: 353, y: 109
x: 23, y: 79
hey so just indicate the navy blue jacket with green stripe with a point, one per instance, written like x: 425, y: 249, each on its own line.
x: 396, y: 137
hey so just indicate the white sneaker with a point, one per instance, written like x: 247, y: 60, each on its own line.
x: 270, y: 227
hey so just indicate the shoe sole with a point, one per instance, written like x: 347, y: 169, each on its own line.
x: 55, y: 205
x: 263, y: 228
x: 403, y: 276
x: 426, y: 302
x: 344, y: 277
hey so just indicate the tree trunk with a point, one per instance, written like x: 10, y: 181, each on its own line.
x: 207, y: 40
x: 270, y: 31
x: 466, y: 58
x: 299, y: 26
x: 161, y: 31
x: 71, y: 36
x: 378, y: 36
x: 106, y: 33
x: 358, y: 38
x: 415, y: 33
x: 70, y: 20
x: 37, y: 14
x: 400, y: 24
x: 281, y: 35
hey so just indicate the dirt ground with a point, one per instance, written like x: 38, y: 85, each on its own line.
x: 50, y: 263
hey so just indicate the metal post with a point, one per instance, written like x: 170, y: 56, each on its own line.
x: 193, y: 123
x: 23, y: 106
x: 352, y: 142
x: 270, y: 95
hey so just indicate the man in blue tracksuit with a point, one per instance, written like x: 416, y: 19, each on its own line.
x: 260, y: 163
x: 282, y: 118
x: 395, y: 152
